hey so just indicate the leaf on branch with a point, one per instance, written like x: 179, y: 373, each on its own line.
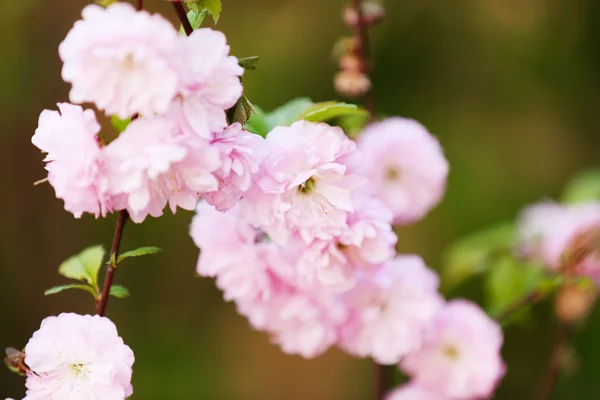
x: 241, y: 111
x: 60, y: 288
x: 476, y: 254
x: 118, y: 291
x: 196, y: 19
x: 249, y: 62
x: 213, y: 7
x: 288, y: 113
x: 142, y: 251
x: 84, y: 266
x: 328, y: 110
x: 584, y: 187
x: 257, y: 123
x: 120, y: 124
x: 106, y: 3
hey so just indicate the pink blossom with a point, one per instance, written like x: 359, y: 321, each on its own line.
x: 306, y: 182
x: 413, y: 392
x: 241, y: 153
x: 460, y: 356
x: 150, y: 165
x: 405, y: 165
x: 209, y: 85
x: 549, y: 231
x: 74, y: 158
x: 78, y: 357
x: 125, y: 61
x: 391, y: 310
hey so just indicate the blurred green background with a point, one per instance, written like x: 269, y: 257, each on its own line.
x: 510, y: 87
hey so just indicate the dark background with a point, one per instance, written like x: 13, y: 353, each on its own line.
x: 509, y: 86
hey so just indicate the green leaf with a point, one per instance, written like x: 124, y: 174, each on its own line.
x: 584, y: 187
x: 60, y: 288
x: 213, y: 7
x: 249, y: 62
x: 476, y: 253
x: 142, y: 251
x: 508, y: 281
x: 258, y: 123
x: 241, y: 111
x: 120, y: 124
x: 118, y: 291
x: 328, y: 110
x: 84, y: 266
x: 288, y: 113
x: 106, y: 3
x: 196, y: 18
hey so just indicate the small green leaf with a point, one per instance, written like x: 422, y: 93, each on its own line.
x: 476, y: 253
x: 106, y: 3
x: 119, y: 291
x: 142, y: 251
x: 196, y: 18
x: 120, y: 124
x: 213, y: 7
x: 257, y: 123
x: 249, y: 62
x: 58, y: 289
x: 288, y: 113
x: 241, y: 111
x: 84, y: 266
x: 584, y: 187
x: 328, y: 110
x: 508, y: 281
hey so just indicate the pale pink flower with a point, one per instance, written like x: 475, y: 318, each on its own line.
x: 460, y: 356
x: 391, y: 310
x: 149, y: 165
x: 405, y: 165
x: 209, y: 84
x: 125, y: 61
x: 241, y: 153
x: 549, y: 231
x: 74, y: 158
x: 413, y: 392
x: 78, y: 357
x: 306, y: 182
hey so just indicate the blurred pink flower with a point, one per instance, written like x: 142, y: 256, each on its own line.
x: 391, y: 310
x: 460, y: 356
x: 405, y: 165
x: 209, y: 84
x: 305, y: 184
x: 78, y: 357
x: 549, y: 231
x: 74, y: 158
x: 125, y: 61
x: 413, y: 392
x: 241, y: 153
x: 149, y: 165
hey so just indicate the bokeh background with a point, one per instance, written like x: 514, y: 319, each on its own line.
x: 510, y: 87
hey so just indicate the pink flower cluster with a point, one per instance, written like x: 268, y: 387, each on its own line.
x: 308, y: 255
x: 177, y: 149
x: 560, y: 235
x: 78, y: 357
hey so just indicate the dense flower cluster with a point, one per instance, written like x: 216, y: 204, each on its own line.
x: 132, y: 64
x: 78, y: 357
x: 565, y: 238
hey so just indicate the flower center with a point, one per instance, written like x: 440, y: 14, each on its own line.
x: 81, y: 370
x: 308, y: 186
x: 128, y: 62
x: 450, y: 351
x: 392, y: 174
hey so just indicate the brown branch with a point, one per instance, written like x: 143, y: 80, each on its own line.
x: 380, y: 381
x: 112, y: 267
x: 363, y: 53
x: 139, y: 4
x: 182, y: 15
x: 529, y: 299
x: 555, y: 363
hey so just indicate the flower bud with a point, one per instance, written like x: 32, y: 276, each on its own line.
x: 372, y: 13
x: 352, y: 83
x: 574, y: 302
x: 350, y: 63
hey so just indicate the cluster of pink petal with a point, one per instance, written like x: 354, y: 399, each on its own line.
x: 405, y: 165
x: 78, y: 357
x: 548, y: 231
x: 179, y: 147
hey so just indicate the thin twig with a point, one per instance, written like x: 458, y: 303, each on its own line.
x: 181, y: 14
x: 112, y: 267
x: 139, y: 4
x: 380, y: 380
x: 529, y: 299
x: 362, y: 51
x: 555, y: 362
